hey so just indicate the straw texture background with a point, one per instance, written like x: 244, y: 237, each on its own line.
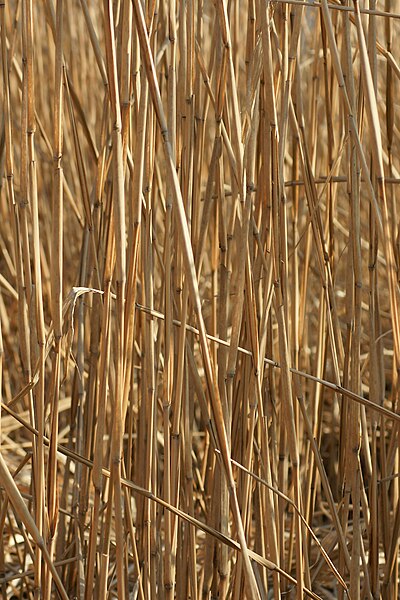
x: 199, y: 299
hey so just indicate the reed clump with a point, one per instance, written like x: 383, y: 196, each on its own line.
x: 199, y: 299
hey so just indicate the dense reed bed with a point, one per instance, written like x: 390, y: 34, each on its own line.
x: 199, y: 299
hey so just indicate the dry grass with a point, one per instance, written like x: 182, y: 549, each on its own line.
x: 199, y: 299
